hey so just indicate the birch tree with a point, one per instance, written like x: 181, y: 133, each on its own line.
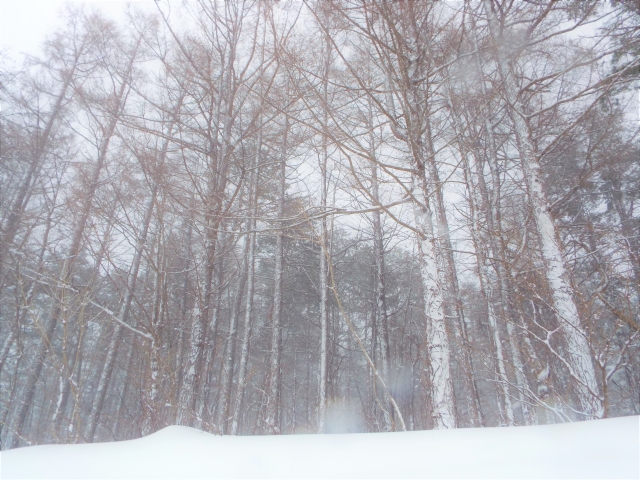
x: 579, y: 359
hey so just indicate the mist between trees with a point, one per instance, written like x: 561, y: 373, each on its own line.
x: 256, y: 217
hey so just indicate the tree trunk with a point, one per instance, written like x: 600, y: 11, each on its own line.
x: 228, y: 370
x: 380, y: 318
x: 451, y: 291
x: 20, y: 416
x: 106, y: 370
x: 441, y: 385
x: 251, y: 253
x: 579, y: 360
x: 273, y: 392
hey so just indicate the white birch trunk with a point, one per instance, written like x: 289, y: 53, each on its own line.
x: 506, y: 408
x: 491, y: 209
x: 442, y: 398
x: 186, y: 398
x: 449, y: 281
x: 478, y: 206
x: 150, y: 407
x: 494, y: 219
x: 322, y: 374
x: 196, y: 364
x: 411, y: 79
x: 579, y: 359
x: 324, y: 270
x: 246, y: 337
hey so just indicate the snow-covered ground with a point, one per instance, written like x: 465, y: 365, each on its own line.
x: 597, y: 449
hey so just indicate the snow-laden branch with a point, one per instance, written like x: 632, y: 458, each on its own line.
x: 109, y: 312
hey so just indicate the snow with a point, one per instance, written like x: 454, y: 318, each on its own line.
x: 594, y: 449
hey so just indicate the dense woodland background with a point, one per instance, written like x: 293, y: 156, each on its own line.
x: 260, y: 217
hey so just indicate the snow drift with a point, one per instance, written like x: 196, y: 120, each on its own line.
x: 595, y: 449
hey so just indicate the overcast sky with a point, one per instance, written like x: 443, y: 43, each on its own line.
x: 25, y: 23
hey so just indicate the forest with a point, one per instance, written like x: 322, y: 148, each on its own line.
x: 262, y: 217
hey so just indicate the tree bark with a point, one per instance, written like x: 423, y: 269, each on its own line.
x: 579, y: 360
x: 273, y: 393
x: 248, y: 314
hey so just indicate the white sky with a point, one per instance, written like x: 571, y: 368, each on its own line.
x: 24, y: 24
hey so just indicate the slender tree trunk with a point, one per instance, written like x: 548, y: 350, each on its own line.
x: 273, y: 393
x: 69, y: 374
x: 246, y: 338
x: 228, y: 370
x: 123, y: 316
x: 451, y: 292
x: 441, y: 385
x: 481, y: 243
x: 187, y: 398
x: 494, y: 219
x: 106, y: 370
x: 43, y: 346
x: 324, y: 270
x: 208, y: 373
x: 578, y: 353
x: 410, y: 78
x: 380, y: 318
x: 492, y: 208
x: 150, y: 407
x: 230, y: 357
x: 479, y: 206
x: 219, y: 140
